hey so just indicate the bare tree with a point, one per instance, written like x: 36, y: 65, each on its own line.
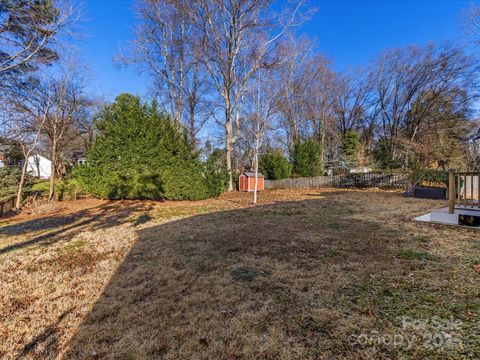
x: 320, y: 104
x: 404, y: 76
x: 23, y: 129
x: 471, y: 20
x: 262, y: 107
x: 67, y: 105
x: 473, y: 148
x: 162, y: 47
x: 294, y: 79
x: 350, y: 97
x: 28, y: 143
x: 167, y: 47
x: 238, y: 38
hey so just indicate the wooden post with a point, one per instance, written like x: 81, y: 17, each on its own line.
x: 451, y: 191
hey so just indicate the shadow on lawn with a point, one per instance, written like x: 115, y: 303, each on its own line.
x: 108, y: 215
x: 250, y: 283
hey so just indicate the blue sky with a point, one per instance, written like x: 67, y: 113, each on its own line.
x: 351, y: 33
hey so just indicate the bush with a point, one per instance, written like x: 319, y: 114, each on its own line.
x: 216, y: 175
x: 141, y: 154
x: 306, y: 159
x: 65, y: 189
x: 429, y: 177
x: 9, y: 178
x: 41, y: 187
x: 274, y: 165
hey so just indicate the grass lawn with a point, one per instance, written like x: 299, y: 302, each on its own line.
x: 306, y: 274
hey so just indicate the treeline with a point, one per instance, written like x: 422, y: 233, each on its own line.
x: 236, y: 87
x: 245, y: 66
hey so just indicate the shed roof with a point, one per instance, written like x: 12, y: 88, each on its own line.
x: 252, y: 174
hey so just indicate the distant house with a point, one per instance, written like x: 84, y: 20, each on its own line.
x: 361, y: 170
x: 39, y: 166
x: 81, y: 161
x: 2, y: 159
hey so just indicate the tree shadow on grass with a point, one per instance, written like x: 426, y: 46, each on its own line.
x: 251, y: 283
x: 59, y: 227
x: 47, y: 342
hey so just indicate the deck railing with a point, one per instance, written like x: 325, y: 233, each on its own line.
x: 463, y: 190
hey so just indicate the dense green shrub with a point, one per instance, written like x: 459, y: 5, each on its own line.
x: 140, y: 154
x: 306, y: 158
x: 274, y: 165
x: 9, y: 179
x: 429, y: 177
x: 351, y: 148
x: 41, y: 187
x: 65, y: 189
x: 216, y: 175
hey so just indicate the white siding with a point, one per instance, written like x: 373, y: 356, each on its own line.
x: 39, y: 166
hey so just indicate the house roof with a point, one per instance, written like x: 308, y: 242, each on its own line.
x: 252, y: 174
x: 40, y: 153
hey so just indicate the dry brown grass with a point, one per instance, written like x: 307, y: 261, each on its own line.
x: 291, y: 278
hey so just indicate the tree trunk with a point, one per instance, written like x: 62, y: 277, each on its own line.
x: 53, y: 170
x: 228, y: 142
x: 228, y: 131
x: 255, y: 156
x: 18, y: 201
x: 192, y: 128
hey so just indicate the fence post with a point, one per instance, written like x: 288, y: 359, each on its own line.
x: 451, y: 191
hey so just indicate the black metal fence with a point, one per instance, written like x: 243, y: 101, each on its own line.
x: 392, y: 181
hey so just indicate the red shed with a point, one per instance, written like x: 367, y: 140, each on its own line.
x: 246, y: 182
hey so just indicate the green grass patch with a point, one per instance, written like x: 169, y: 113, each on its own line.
x: 244, y: 274
x: 73, y: 246
x: 334, y: 226
x: 422, y: 239
x: 415, y: 255
x: 476, y: 261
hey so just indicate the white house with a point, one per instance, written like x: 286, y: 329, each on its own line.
x: 39, y: 166
x: 3, y: 155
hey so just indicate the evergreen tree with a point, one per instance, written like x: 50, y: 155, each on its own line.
x: 351, y: 148
x: 28, y: 31
x: 216, y: 175
x: 306, y: 158
x: 274, y: 165
x: 140, y: 154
